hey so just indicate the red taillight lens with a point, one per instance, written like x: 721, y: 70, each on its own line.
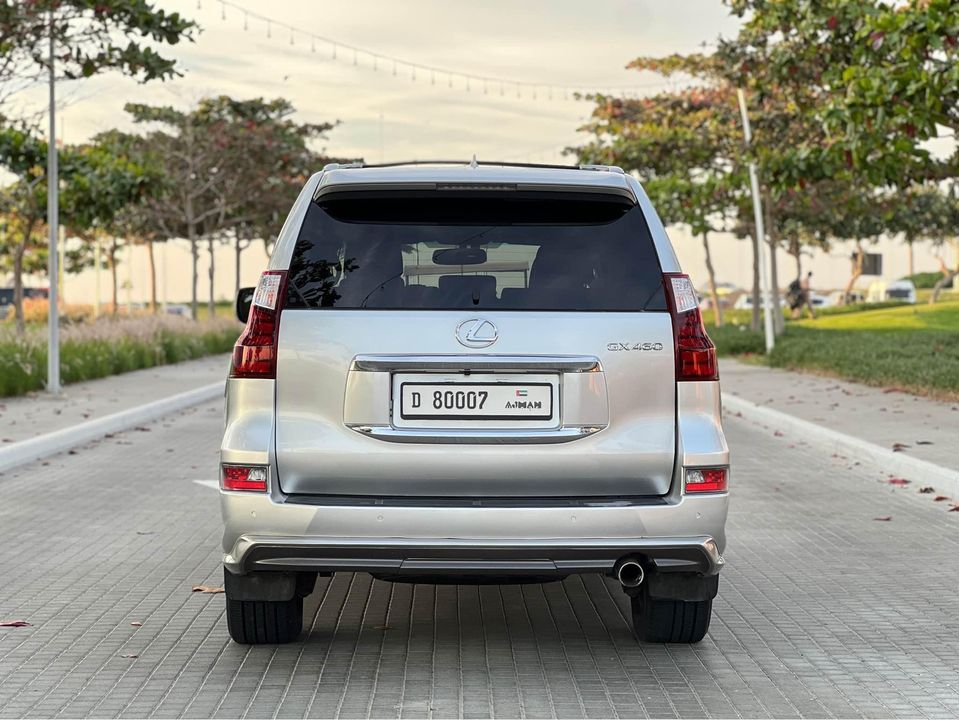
x: 703, y: 480
x: 244, y: 477
x: 695, y: 352
x: 254, y: 355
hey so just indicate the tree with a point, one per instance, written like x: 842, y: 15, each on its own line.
x: 683, y: 144
x: 90, y: 37
x: 880, y: 77
x: 24, y: 205
x: 232, y: 167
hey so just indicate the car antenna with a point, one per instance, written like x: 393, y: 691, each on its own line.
x: 473, y: 163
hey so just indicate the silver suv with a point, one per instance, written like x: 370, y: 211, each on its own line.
x: 473, y: 373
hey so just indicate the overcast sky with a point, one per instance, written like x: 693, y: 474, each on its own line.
x: 391, y: 117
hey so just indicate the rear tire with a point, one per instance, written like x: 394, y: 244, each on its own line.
x: 264, y: 622
x: 660, y: 620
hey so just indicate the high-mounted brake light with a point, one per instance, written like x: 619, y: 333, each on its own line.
x: 695, y: 352
x: 251, y: 478
x: 254, y: 355
x: 705, y: 480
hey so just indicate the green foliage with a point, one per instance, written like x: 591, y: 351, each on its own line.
x: 734, y: 339
x: 109, y: 348
x: 91, y: 37
x: 924, y: 280
x: 913, y: 346
x: 881, y: 77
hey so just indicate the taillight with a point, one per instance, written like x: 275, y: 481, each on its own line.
x: 254, y: 355
x: 695, y: 352
x: 703, y: 480
x: 251, y: 478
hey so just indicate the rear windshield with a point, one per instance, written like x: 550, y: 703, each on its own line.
x: 493, y: 251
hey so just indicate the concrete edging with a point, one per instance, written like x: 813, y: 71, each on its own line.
x: 944, y: 480
x: 26, y: 451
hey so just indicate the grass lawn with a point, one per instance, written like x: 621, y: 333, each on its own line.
x: 914, y: 347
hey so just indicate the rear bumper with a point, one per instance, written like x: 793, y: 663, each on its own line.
x: 398, y: 556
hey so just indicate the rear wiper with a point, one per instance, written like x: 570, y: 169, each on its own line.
x: 380, y: 287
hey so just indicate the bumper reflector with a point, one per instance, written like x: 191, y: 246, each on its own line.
x: 251, y: 478
x: 700, y: 480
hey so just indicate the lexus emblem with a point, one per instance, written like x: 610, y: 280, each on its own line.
x: 476, y: 333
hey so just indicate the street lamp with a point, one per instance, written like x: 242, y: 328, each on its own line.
x: 53, y: 221
x: 760, y: 233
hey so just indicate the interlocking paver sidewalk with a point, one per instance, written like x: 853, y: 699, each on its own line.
x: 822, y: 611
x: 877, y: 415
x: 38, y: 413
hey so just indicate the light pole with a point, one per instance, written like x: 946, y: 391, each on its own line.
x: 760, y: 233
x: 53, y: 221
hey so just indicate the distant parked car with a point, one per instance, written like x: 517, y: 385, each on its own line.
x: 820, y: 301
x: 836, y: 298
x: 181, y: 310
x: 899, y: 290
x: 745, y: 302
x: 904, y: 290
x: 726, y: 291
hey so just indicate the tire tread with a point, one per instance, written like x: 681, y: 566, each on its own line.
x: 261, y: 622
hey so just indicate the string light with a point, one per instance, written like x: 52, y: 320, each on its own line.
x: 569, y: 92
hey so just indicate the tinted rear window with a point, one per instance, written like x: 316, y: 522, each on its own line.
x: 490, y: 251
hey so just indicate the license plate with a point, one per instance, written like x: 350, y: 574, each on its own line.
x: 476, y: 401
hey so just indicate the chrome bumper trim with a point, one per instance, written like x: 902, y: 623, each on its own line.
x: 456, y: 363
x: 474, y: 437
x: 457, y: 555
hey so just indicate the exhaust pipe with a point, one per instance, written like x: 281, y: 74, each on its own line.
x: 629, y: 573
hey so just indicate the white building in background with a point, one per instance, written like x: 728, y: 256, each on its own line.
x: 732, y: 259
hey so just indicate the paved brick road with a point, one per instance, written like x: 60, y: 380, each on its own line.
x: 822, y: 610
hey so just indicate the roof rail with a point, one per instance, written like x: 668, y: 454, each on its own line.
x: 467, y: 163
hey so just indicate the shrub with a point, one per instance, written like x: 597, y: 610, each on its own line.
x: 108, y: 347
x: 924, y: 280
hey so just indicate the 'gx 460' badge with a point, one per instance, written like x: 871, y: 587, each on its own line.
x: 619, y: 347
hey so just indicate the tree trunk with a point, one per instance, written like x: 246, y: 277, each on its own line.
x: 717, y: 310
x: 857, y: 261
x: 113, y: 276
x: 153, y: 277
x: 912, y: 259
x: 795, y: 249
x: 195, y: 281
x: 212, y: 301
x: 239, y: 251
x: 779, y: 320
x: 755, y: 322
x: 18, y: 285
x: 947, y: 276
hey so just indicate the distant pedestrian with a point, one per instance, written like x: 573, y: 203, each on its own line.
x: 803, y: 297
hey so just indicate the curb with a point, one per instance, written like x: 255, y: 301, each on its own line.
x: 945, y: 481
x: 26, y: 451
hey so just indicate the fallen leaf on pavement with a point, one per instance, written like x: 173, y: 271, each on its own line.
x: 954, y: 508
x: 207, y: 589
x: 145, y: 532
x: 136, y: 623
x: 898, y: 481
x: 927, y: 489
x: 939, y: 498
x: 778, y: 434
x: 924, y: 442
x: 899, y: 447
x: 142, y: 429
x: 130, y: 655
x: 894, y: 388
x: 15, y: 623
x: 883, y: 518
